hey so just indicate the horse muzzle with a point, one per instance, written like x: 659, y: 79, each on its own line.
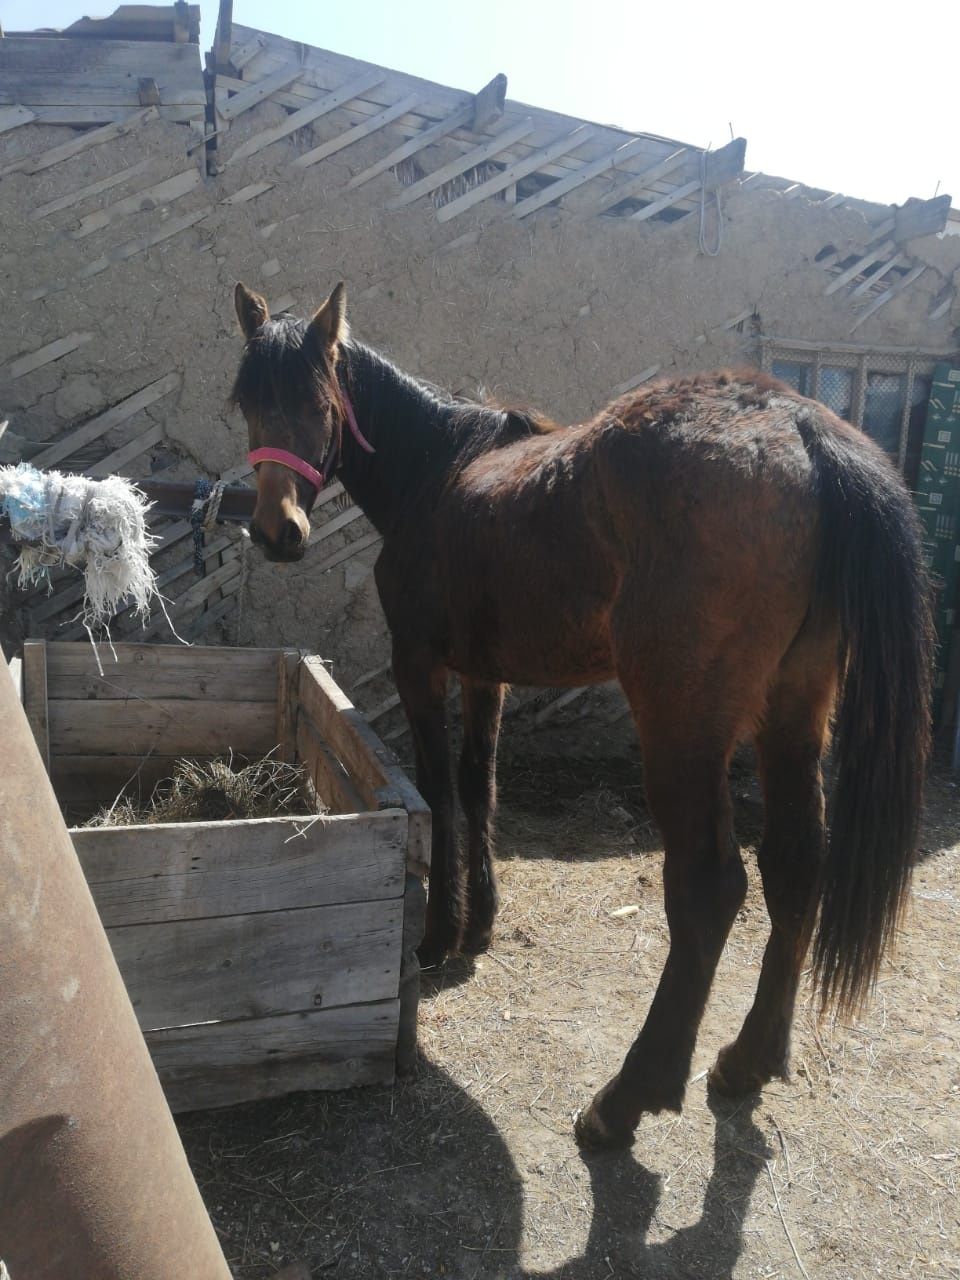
x: 290, y: 544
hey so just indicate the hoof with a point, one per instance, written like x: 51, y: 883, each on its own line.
x: 731, y: 1079
x: 432, y: 953
x: 594, y: 1135
x: 476, y: 941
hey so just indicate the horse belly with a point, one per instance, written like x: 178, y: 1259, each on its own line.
x: 522, y: 610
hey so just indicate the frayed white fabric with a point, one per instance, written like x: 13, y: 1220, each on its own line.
x: 96, y: 526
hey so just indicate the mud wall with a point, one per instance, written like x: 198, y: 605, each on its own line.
x: 117, y: 271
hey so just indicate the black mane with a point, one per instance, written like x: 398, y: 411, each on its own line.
x: 280, y: 369
x: 420, y: 435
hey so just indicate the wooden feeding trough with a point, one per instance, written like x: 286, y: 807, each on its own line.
x: 264, y: 955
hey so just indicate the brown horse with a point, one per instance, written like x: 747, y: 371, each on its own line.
x: 738, y: 557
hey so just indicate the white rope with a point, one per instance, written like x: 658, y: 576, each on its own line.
x: 213, y: 505
x: 702, y: 236
x: 96, y: 526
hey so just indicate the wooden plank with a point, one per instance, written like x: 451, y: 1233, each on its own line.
x: 215, y: 612
x: 121, y: 252
x: 722, y: 166
x: 206, y: 586
x: 244, y: 53
x: 637, y: 183
x: 66, y: 150
x: 248, y: 193
x: 476, y: 156
x: 260, y: 90
x: 876, y: 276
x: 223, y: 1063
x: 866, y: 259
x: 46, y: 354
x: 904, y: 283
x: 644, y: 376
x: 519, y: 169
x: 287, y: 682
x: 665, y: 201
x: 348, y: 552
x: 161, y: 193
x: 347, y: 734
x: 371, y: 765
x: 106, y: 421
x: 414, y: 917
x: 52, y: 72
x: 224, y: 35
x: 85, y: 116
x: 168, y: 726
x: 241, y: 966
x: 334, y: 525
x: 194, y: 870
x: 488, y: 104
x: 115, y: 461
x: 35, y: 695
x: 388, y: 704
x: 320, y: 107
x: 330, y: 779
x: 942, y: 303
x: 918, y: 218
x: 13, y: 117
x: 455, y: 120
x: 326, y: 68
x: 94, y: 189
x: 86, y: 783
x: 611, y: 160
x: 162, y: 671
x: 346, y: 139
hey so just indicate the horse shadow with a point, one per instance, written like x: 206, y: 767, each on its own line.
x: 418, y: 1180
x: 627, y: 1196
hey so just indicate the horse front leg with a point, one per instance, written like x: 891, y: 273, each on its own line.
x: 422, y: 684
x: 482, y: 707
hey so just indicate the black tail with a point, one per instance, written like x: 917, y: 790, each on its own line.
x: 870, y: 575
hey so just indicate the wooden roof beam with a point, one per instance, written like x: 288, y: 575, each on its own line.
x: 469, y: 160
x: 514, y: 172
x: 476, y: 112
x: 920, y: 218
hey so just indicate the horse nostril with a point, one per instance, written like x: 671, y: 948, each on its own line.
x: 291, y: 535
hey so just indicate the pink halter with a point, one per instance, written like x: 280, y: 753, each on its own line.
x: 317, y: 478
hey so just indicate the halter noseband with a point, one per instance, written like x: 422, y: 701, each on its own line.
x: 317, y: 478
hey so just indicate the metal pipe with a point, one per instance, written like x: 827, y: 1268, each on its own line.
x: 175, y: 498
x: 94, y: 1182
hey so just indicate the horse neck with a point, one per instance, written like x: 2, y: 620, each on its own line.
x: 417, y: 438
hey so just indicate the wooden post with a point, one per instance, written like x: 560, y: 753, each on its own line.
x: 35, y: 696
x: 414, y: 914
x: 224, y: 36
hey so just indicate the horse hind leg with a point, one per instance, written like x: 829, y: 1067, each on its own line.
x: 482, y: 707
x: 686, y: 750
x: 790, y: 748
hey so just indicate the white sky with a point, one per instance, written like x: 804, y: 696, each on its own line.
x: 856, y: 98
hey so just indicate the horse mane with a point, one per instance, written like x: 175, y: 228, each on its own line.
x: 279, y: 370
x: 423, y: 414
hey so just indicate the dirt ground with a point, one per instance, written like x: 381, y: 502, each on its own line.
x: 469, y: 1171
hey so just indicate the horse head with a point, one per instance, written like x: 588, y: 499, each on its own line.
x: 288, y: 392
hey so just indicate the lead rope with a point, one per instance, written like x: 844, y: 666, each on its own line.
x: 204, y: 513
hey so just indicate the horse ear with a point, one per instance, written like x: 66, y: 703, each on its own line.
x: 329, y: 324
x: 251, y: 310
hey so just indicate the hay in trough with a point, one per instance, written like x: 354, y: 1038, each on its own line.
x: 216, y: 791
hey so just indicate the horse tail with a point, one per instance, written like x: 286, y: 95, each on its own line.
x: 870, y: 578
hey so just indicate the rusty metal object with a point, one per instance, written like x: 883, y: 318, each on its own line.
x: 94, y: 1182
